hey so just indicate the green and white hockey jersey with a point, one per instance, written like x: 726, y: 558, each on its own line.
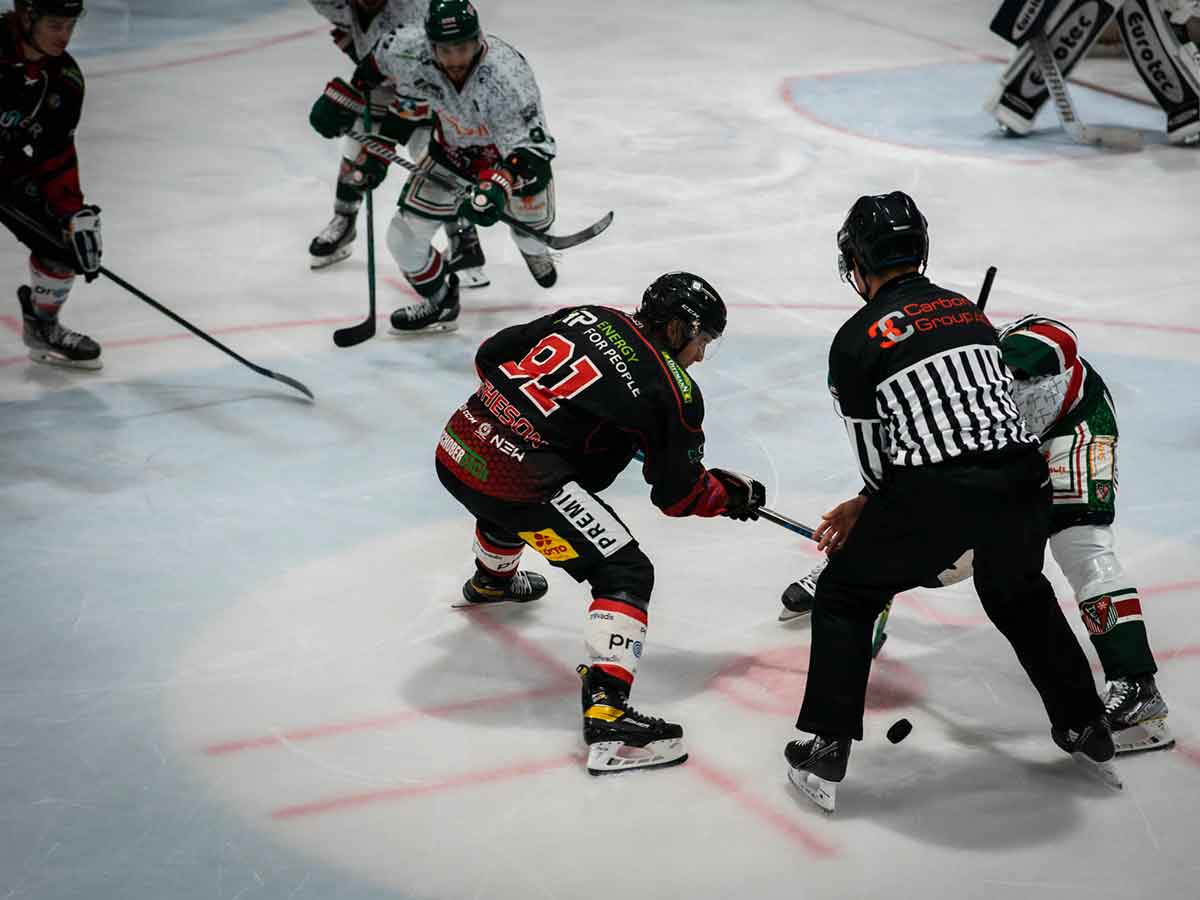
x: 497, y: 112
x: 394, y: 14
x: 1054, y: 387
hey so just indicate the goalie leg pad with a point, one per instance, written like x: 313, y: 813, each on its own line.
x: 1016, y: 20
x: 1071, y: 29
x: 1170, y: 67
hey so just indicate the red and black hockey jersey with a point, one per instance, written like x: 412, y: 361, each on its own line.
x: 570, y: 397
x: 40, y: 104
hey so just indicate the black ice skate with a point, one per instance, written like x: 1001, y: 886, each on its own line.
x: 426, y: 316
x: 798, y: 597
x: 335, y: 242
x: 619, y: 738
x: 816, y: 766
x: 1091, y: 745
x: 484, y: 589
x: 466, y: 254
x: 1137, y: 714
x: 50, y: 343
x: 541, y: 267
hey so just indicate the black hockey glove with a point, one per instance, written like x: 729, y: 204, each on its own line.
x: 82, y: 233
x: 745, y: 494
x: 336, y: 109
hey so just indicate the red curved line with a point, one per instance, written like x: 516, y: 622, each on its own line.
x: 209, y: 57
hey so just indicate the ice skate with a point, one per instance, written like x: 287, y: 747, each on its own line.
x: 1092, y: 746
x: 541, y: 267
x: 1137, y: 714
x: 52, y: 344
x: 619, y: 738
x: 426, y: 316
x: 798, y: 597
x: 465, y: 255
x: 335, y: 242
x: 816, y: 766
x: 484, y: 589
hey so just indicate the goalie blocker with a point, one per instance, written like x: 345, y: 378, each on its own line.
x: 1167, y: 62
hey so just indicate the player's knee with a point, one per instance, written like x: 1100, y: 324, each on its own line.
x: 409, y: 249
x: 627, y: 575
x: 1087, y: 558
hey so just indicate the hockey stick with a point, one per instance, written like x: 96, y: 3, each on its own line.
x: 458, y: 185
x: 1099, y: 135
x: 985, y: 291
x: 37, y: 228
x: 364, y: 330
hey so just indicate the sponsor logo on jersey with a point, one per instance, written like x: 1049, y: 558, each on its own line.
x: 550, y: 544
x: 680, y: 376
x: 466, y: 458
x: 1151, y: 57
x: 887, y: 333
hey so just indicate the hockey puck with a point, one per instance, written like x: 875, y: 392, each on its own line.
x: 899, y: 730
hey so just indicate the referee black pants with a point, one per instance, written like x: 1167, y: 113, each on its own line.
x: 923, y: 520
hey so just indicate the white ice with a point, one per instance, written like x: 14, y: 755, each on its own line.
x: 228, y: 667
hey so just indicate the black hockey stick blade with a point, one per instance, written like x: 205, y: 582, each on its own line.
x: 986, y: 290
x: 290, y: 382
x: 565, y: 241
x: 355, y: 334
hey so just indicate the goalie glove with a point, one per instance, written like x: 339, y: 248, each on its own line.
x: 745, y: 494
x: 81, y: 231
x: 337, y: 109
x: 487, y: 199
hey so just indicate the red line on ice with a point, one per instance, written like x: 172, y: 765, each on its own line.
x: 210, y: 57
x: 379, y: 723
x: 727, y: 785
x: 470, y: 779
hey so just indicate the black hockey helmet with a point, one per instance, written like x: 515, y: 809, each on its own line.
x: 882, y: 231
x: 451, y: 21
x: 687, y: 297
x: 38, y: 8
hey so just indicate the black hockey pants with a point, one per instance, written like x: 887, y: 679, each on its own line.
x: 925, y: 518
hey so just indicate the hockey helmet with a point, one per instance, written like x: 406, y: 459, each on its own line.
x: 451, y: 21
x: 37, y: 8
x: 687, y: 297
x: 880, y: 232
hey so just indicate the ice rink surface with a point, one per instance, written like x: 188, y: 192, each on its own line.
x: 228, y: 666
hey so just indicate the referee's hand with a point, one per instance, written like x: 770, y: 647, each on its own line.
x: 837, y: 524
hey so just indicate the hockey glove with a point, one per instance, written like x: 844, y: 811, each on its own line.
x: 81, y: 231
x: 366, y: 172
x: 487, y: 199
x: 336, y: 110
x: 745, y: 494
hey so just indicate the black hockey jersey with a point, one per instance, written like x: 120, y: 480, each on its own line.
x: 570, y: 397
x: 917, y: 376
x: 40, y: 111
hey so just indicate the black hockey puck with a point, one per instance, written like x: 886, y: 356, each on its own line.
x: 899, y: 730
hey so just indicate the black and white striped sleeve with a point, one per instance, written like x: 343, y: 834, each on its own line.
x: 866, y: 439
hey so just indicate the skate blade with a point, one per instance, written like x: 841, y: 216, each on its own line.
x: 818, y: 790
x: 472, y: 278
x: 1105, y: 772
x: 435, y: 328
x: 464, y: 603
x: 787, y: 615
x: 1151, y: 734
x: 50, y: 358
x: 609, y: 757
x: 324, y: 262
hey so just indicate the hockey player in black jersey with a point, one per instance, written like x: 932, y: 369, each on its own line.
x: 947, y: 466
x: 564, y: 402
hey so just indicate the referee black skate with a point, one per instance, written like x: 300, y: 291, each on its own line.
x: 948, y: 466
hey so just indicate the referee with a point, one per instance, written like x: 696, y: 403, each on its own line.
x: 948, y: 466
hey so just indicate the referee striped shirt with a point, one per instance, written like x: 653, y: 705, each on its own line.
x: 918, y: 378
